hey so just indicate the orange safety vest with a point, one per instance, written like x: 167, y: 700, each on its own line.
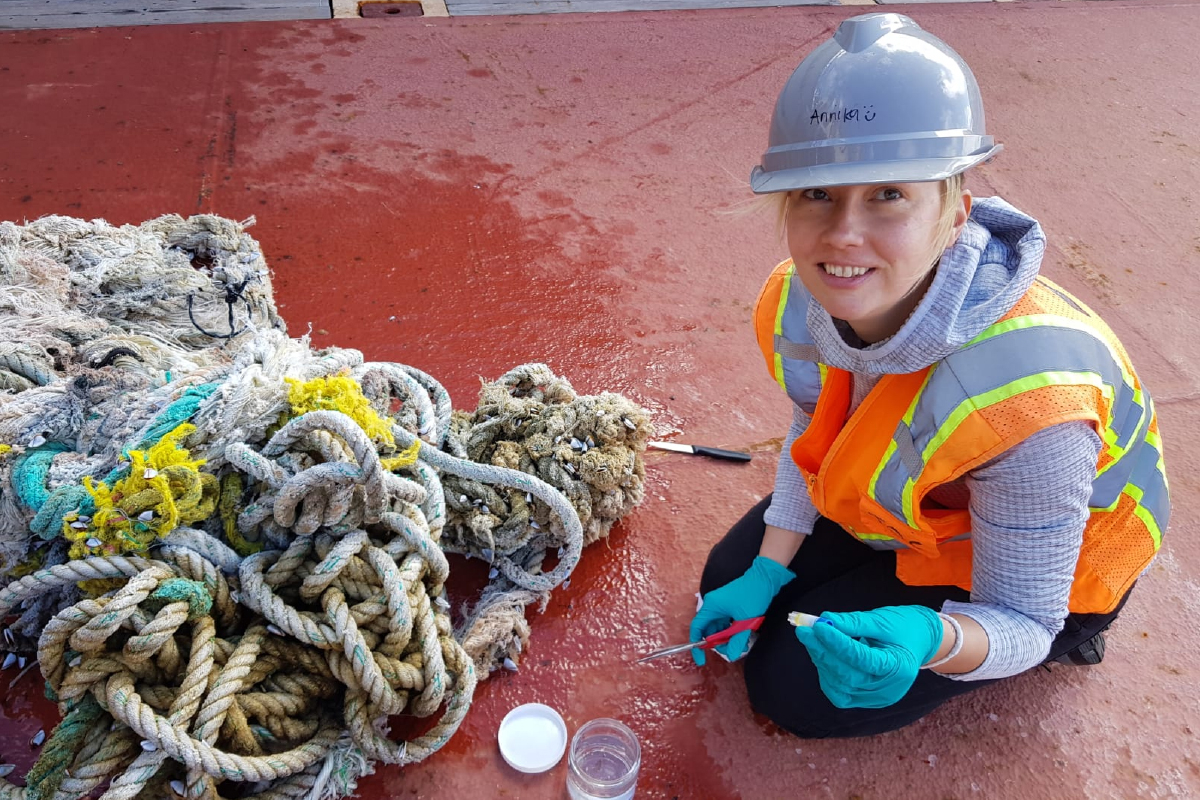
x: 1050, y: 359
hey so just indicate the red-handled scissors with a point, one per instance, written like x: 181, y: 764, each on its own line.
x: 708, y: 642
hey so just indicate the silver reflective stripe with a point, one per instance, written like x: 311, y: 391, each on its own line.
x: 941, y: 396
x: 1129, y: 418
x: 889, y: 489
x: 884, y: 544
x: 803, y: 382
x: 797, y: 350
x: 1147, y: 477
x: 1108, y: 485
x: 906, y: 451
x: 1002, y: 359
x: 1140, y: 468
x: 1022, y: 352
x: 801, y: 375
x: 894, y: 544
x: 987, y: 365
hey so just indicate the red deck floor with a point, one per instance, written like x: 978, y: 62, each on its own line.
x: 465, y: 195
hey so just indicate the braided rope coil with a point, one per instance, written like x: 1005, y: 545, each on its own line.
x: 287, y: 594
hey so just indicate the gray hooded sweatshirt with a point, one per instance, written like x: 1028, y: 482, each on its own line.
x: 1029, y: 505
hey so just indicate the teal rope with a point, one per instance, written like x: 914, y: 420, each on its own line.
x: 119, y: 472
x: 48, y: 521
x: 29, y: 476
x: 30, y: 471
x: 65, y: 743
x: 178, y: 412
x: 174, y: 590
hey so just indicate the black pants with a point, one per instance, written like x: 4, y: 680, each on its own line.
x: 836, y: 572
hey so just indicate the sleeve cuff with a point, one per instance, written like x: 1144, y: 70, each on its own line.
x: 794, y: 519
x: 1015, y: 642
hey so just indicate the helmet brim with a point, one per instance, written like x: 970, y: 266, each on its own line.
x: 859, y: 173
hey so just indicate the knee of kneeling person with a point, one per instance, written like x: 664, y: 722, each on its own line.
x: 799, y: 707
x: 808, y: 716
x: 717, y: 573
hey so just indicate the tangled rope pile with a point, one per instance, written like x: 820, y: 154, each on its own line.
x: 228, y: 550
x: 588, y: 447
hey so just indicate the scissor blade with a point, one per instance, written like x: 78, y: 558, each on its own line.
x: 668, y: 651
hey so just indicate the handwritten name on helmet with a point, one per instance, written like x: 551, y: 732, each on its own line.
x: 864, y: 113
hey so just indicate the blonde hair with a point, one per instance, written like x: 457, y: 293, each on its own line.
x: 951, y: 190
x: 943, y: 233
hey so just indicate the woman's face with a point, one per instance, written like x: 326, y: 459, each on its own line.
x: 866, y: 253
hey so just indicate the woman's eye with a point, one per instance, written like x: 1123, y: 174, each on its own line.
x: 889, y: 194
x: 815, y: 194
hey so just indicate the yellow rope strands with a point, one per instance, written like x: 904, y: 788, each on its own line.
x: 338, y: 393
x: 227, y: 551
x: 164, y: 489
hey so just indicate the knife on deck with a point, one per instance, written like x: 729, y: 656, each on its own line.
x: 700, y: 450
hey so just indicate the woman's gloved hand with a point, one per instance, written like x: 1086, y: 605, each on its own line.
x: 869, y: 659
x: 742, y: 598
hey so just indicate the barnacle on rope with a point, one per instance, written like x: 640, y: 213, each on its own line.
x: 532, y: 420
x: 229, y: 550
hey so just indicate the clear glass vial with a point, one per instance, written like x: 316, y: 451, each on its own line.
x: 603, y: 761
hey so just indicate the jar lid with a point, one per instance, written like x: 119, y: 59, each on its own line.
x: 533, y: 737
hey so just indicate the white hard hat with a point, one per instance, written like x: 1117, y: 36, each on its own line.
x: 880, y: 102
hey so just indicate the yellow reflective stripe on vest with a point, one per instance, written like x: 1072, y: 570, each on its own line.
x: 997, y: 395
x: 1112, y: 437
x: 1024, y: 354
x: 1155, y: 441
x: 1143, y: 513
x: 1012, y: 389
x: 783, y: 300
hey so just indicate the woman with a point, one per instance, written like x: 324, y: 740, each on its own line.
x: 973, y: 479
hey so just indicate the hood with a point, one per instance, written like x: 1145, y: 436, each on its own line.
x: 979, y: 278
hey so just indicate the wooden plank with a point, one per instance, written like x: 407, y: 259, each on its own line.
x: 21, y: 14
x: 101, y: 19
x: 344, y: 9
x: 49, y: 7
x: 499, y: 7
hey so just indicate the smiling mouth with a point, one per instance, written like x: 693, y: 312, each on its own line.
x: 840, y: 271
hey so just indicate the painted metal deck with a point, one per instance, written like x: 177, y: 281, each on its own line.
x: 464, y: 195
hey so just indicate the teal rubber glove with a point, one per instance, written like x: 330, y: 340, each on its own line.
x: 869, y: 659
x: 742, y: 598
